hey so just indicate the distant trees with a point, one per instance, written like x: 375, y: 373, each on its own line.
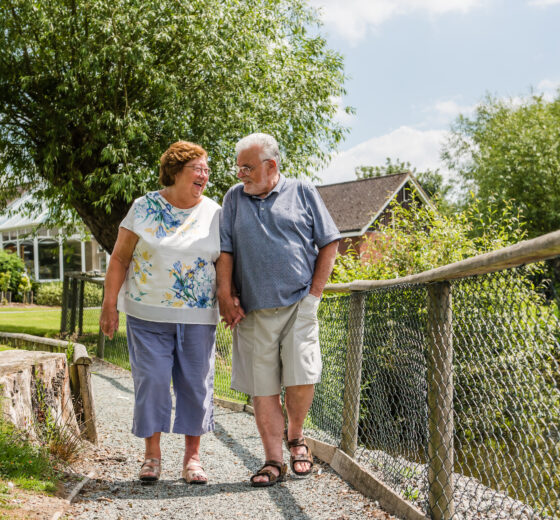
x: 511, y: 152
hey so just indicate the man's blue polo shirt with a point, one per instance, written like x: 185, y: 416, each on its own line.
x: 275, y: 241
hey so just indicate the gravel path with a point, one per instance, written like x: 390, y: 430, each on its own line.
x: 230, y: 455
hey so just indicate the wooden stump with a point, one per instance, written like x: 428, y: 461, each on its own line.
x: 34, y: 385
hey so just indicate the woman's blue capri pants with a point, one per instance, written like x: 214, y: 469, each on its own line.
x: 159, y: 353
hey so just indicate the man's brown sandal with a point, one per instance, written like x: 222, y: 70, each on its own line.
x: 272, y: 478
x: 150, y: 470
x: 308, y: 457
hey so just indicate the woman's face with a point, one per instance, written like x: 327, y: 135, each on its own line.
x: 193, y: 177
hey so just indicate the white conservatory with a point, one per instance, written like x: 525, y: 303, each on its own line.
x: 47, y: 253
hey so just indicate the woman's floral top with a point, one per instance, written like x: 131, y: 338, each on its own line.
x: 171, y: 276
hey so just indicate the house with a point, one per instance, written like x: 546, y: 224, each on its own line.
x: 46, y: 252
x: 359, y: 207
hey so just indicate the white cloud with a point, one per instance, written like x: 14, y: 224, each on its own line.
x: 548, y: 88
x: 351, y: 19
x: 544, y: 3
x: 341, y: 115
x: 444, y: 111
x: 419, y: 147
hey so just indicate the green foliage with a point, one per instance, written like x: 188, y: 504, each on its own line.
x: 419, y: 239
x: 92, y: 93
x: 11, y: 265
x: 55, y: 432
x: 26, y: 464
x: 24, y: 284
x: 50, y: 293
x: 511, y: 152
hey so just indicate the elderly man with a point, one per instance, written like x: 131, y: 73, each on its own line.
x: 278, y: 246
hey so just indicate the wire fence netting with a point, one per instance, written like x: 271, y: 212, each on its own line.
x: 449, y: 392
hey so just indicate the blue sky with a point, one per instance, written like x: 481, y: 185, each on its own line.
x: 414, y: 65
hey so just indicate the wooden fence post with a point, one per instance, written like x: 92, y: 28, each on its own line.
x: 73, y: 302
x: 65, y: 296
x: 440, y: 402
x: 353, y: 375
x: 81, y: 308
x: 101, y: 336
x: 82, y: 361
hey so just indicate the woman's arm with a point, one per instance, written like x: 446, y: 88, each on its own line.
x: 116, y: 272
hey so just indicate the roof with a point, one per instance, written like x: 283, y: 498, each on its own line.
x: 17, y: 215
x: 356, y: 205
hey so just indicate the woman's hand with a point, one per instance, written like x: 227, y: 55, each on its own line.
x: 231, y: 310
x: 109, y: 320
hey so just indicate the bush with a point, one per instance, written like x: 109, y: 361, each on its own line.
x: 13, y: 265
x: 50, y: 293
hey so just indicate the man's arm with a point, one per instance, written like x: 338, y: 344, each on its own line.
x: 230, y: 307
x: 323, y: 268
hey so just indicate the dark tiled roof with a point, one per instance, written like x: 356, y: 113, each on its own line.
x: 353, y: 204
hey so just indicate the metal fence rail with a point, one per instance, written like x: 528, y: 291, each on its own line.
x: 445, y: 386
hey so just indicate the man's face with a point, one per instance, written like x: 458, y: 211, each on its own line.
x: 258, y: 176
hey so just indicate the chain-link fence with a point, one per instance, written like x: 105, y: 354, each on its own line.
x: 448, y: 392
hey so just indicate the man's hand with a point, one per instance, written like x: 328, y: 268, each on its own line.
x: 231, y: 311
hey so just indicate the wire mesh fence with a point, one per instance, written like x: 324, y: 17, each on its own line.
x: 448, y: 392
x: 458, y: 407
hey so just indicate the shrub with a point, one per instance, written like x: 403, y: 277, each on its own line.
x: 49, y: 293
x: 13, y: 265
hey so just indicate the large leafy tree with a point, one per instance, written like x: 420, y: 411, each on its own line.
x: 511, y: 151
x: 93, y: 91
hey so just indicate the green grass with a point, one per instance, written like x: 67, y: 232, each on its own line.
x: 30, y: 321
x: 27, y: 465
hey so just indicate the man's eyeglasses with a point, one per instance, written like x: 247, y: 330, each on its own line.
x: 200, y: 169
x: 246, y: 170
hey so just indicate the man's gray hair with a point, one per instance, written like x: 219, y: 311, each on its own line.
x: 269, y: 146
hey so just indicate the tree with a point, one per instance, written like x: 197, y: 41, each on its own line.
x: 510, y: 151
x: 93, y: 91
x: 431, y: 180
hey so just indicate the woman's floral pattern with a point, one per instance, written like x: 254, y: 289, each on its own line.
x: 171, y: 276
x: 141, y: 270
x: 192, y: 285
x: 161, y: 216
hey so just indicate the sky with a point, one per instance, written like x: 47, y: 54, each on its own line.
x: 414, y: 65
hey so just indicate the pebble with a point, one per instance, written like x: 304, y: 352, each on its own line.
x: 230, y: 455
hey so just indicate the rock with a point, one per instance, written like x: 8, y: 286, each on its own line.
x: 34, y: 385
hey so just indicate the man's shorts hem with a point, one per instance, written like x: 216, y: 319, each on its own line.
x: 313, y: 381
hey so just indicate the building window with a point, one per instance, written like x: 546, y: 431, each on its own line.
x: 26, y: 253
x: 72, y: 255
x: 49, y: 267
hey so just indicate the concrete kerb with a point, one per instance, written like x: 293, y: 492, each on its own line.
x: 350, y: 471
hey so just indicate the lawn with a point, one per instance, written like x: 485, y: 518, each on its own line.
x: 41, y: 321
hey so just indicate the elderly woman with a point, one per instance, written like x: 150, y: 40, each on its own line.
x: 161, y: 274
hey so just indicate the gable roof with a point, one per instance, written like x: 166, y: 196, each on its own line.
x: 17, y: 214
x: 356, y: 205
